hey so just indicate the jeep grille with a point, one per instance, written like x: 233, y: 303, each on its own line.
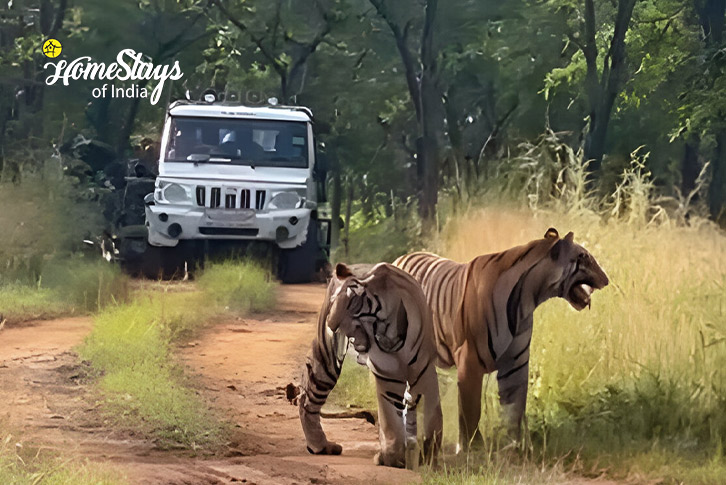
x: 234, y: 198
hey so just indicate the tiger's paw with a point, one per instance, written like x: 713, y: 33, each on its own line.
x: 380, y: 460
x: 330, y: 448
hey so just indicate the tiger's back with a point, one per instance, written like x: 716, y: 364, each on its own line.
x: 440, y: 279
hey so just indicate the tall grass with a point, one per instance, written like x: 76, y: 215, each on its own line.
x: 645, y: 367
x: 45, y: 214
x: 239, y: 287
x: 71, y: 286
x: 636, y: 386
x: 355, y: 387
x: 45, y: 218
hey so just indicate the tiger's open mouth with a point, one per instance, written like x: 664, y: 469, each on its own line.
x: 580, y: 293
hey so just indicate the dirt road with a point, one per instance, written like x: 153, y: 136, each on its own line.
x: 242, y: 366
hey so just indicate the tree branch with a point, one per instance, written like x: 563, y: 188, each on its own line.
x: 409, y: 65
x: 276, y: 64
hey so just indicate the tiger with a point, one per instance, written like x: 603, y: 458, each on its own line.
x: 384, y: 315
x: 483, y: 311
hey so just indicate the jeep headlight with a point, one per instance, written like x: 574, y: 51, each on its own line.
x: 285, y: 200
x: 174, y: 193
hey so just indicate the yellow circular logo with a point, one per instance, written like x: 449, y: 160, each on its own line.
x: 52, y: 48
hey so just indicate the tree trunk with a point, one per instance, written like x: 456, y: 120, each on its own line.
x: 430, y: 115
x: 717, y: 189
x: 335, y: 204
x: 689, y: 166
x: 602, y: 94
x: 348, y: 209
x: 426, y: 102
x: 712, y: 16
x: 128, y: 125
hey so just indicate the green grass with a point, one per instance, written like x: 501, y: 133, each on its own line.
x: 144, y: 389
x: 20, y: 302
x: 238, y: 287
x: 131, y: 347
x: 45, y: 214
x: 633, y: 387
x: 20, y: 466
x: 356, y: 387
x: 71, y: 286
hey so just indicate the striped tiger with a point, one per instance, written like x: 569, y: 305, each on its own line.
x: 483, y: 315
x: 385, y: 316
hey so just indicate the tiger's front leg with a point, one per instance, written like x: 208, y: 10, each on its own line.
x: 470, y: 374
x: 391, y: 432
x: 313, y: 396
x: 513, y: 383
x: 513, y: 380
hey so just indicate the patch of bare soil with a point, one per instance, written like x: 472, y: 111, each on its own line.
x: 242, y: 366
x: 246, y: 364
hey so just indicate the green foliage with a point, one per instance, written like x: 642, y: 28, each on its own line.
x: 373, y: 243
x: 47, y: 213
x: 143, y: 388
x: 239, y: 287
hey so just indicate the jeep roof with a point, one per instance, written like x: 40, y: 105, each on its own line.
x: 221, y: 110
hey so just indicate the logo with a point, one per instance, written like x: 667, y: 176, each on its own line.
x: 129, y: 66
x: 52, y: 48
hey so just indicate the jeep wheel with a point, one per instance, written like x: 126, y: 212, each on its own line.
x: 300, y: 264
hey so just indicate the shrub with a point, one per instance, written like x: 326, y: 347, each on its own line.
x: 238, y: 286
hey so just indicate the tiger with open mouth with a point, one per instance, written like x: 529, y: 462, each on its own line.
x: 385, y: 316
x: 483, y: 313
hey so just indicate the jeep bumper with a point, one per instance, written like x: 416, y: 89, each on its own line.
x: 168, y: 224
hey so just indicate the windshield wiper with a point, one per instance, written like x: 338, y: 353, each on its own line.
x: 227, y: 156
x: 198, y: 158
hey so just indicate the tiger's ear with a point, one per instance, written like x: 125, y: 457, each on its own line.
x: 342, y: 271
x: 552, y: 232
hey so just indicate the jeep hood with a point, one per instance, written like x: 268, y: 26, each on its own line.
x: 239, y: 173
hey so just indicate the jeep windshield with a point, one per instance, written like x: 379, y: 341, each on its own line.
x: 252, y: 142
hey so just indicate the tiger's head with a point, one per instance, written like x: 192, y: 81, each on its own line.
x: 368, y: 308
x: 581, y: 273
x: 347, y: 300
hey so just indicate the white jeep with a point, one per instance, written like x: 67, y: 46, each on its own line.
x: 231, y: 173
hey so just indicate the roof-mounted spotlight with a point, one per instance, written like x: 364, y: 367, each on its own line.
x: 272, y: 101
x: 209, y: 96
